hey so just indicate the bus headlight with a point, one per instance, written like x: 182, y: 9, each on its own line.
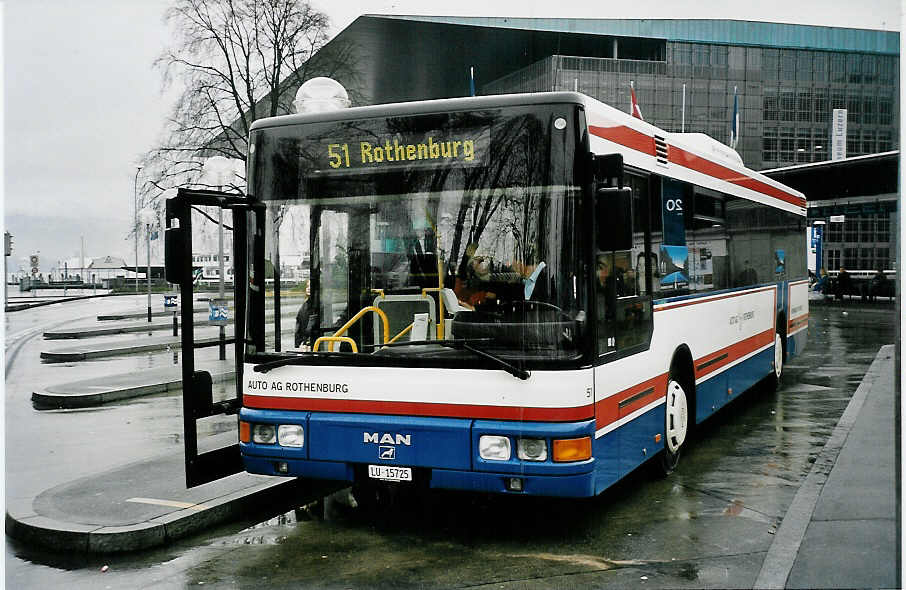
x: 264, y: 434
x: 290, y: 435
x: 531, y: 449
x: 494, y: 448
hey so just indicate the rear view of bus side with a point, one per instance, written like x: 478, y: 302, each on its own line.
x: 521, y: 294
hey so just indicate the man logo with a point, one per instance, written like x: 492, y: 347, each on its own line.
x: 387, y: 438
x: 387, y: 453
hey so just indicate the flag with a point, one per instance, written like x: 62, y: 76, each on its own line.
x: 472, y: 81
x: 634, y: 104
x: 154, y: 234
x: 734, y: 122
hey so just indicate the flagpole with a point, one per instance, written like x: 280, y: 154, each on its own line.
x: 683, y: 127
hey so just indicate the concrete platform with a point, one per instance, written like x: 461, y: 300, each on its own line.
x: 841, y: 528
x: 101, y: 390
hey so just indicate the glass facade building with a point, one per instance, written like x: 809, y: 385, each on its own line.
x: 785, y: 97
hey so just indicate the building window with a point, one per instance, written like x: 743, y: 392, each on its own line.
x: 854, y: 68
x: 819, y: 67
x: 851, y: 229
x: 804, y: 63
x: 788, y: 64
x: 869, y: 115
x: 884, y: 141
x: 769, y: 145
x: 883, y: 228
x: 803, y: 145
x: 838, y: 67
x: 769, y: 102
x: 787, y: 106
x: 866, y: 258
x: 834, y: 232
x: 882, y: 259
x: 853, y: 144
x: 854, y: 109
x: 787, y: 144
x: 866, y: 230
x: 884, y: 110
x: 805, y: 107
x: 822, y: 114
x: 770, y: 59
x: 833, y: 259
x: 849, y: 257
x: 868, y: 142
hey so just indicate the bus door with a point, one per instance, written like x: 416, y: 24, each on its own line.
x: 198, y: 403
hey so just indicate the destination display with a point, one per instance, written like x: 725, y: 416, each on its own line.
x: 460, y: 147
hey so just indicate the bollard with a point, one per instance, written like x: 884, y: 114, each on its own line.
x: 175, y: 324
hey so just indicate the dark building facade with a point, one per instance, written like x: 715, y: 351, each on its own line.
x: 788, y: 79
x: 855, y: 202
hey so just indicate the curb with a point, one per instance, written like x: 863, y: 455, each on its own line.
x: 781, y: 555
x: 23, y: 306
x: 268, y: 498
x: 55, y: 400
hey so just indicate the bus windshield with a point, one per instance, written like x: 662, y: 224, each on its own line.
x: 454, y: 226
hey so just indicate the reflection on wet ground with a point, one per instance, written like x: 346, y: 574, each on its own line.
x: 707, y: 525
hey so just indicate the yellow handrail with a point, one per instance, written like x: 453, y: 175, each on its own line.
x: 405, y: 331
x: 331, y: 339
x: 441, y: 329
x: 362, y: 312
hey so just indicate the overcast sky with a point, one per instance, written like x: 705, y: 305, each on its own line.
x: 82, y: 100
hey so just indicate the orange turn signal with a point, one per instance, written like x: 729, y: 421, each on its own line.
x: 245, y: 432
x: 572, y: 449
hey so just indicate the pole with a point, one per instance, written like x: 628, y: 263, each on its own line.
x: 148, y: 234
x: 135, y: 221
x: 683, y: 125
x: 220, y: 261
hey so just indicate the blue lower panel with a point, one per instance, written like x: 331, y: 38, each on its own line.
x: 795, y: 344
x: 574, y: 486
x: 299, y: 468
x: 623, y: 450
x: 570, y: 486
x: 712, y: 395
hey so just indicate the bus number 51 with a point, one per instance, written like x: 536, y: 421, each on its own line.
x: 333, y: 154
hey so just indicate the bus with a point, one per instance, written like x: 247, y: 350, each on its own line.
x: 528, y: 294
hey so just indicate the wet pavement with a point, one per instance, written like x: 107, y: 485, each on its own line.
x: 711, y: 524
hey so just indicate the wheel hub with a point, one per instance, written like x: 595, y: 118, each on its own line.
x: 677, y: 416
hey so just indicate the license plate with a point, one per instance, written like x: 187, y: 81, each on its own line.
x: 390, y: 473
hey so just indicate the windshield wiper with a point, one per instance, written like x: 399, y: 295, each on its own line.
x: 465, y: 344
x: 281, y: 362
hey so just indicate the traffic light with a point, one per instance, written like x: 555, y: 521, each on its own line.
x: 8, y: 243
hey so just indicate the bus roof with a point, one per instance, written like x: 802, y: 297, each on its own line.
x: 690, y: 157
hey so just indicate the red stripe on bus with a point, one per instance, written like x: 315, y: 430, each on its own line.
x: 419, y: 408
x: 692, y: 161
x: 797, y: 323
x: 709, y: 299
x: 732, y: 353
x: 608, y: 410
x: 641, y: 142
x: 626, y: 136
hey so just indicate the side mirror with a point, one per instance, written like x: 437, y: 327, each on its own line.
x: 174, y: 254
x: 608, y: 169
x: 613, y: 218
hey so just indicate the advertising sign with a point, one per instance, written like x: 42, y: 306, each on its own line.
x: 838, y: 135
x: 219, y: 311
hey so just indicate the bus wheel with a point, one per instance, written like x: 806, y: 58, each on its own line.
x: 775, y: 375
x: 676, y: 426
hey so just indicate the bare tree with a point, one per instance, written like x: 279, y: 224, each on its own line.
x: 236, y: 61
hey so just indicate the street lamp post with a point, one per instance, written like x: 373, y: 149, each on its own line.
x: 148, y: 218
x: 138, y: 168
x: 219, y: 169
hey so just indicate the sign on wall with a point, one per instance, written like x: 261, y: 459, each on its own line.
x: 838, y: 135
